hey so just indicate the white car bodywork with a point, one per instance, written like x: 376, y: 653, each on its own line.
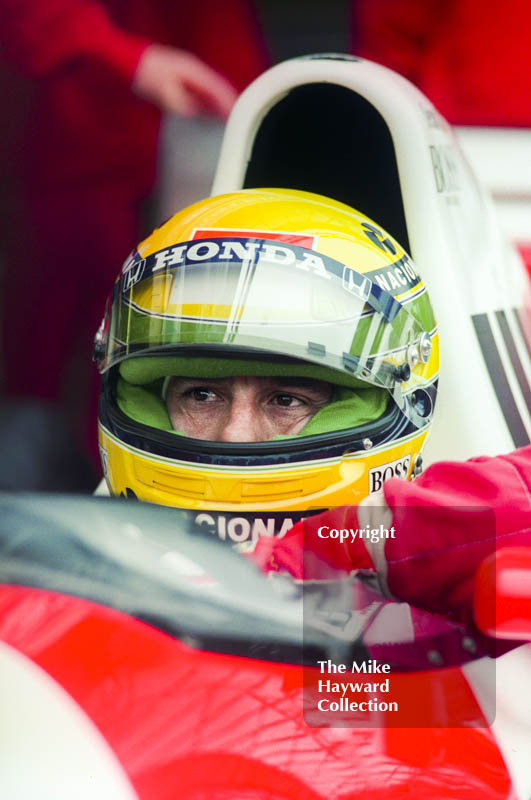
x: 50, y: 748
x: 476, y: 279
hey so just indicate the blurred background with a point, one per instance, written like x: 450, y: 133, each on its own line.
x: 189, y: 148
x: 100, y: 142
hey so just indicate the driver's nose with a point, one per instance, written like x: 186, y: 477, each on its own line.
x: 243, y: 425
x: 244, y: 420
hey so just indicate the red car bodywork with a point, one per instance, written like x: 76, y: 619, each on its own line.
x: 193, y: 724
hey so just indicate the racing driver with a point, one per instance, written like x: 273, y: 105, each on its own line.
x: 270, y: 354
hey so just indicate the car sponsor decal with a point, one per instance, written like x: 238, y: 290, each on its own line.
x: 501, y: 379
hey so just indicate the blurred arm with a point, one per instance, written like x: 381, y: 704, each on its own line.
x: 40, y: 36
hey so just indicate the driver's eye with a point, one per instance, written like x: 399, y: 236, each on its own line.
x: 287, y: 400
x: 202, y: 395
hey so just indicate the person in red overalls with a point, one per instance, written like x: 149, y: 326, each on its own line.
x: 83, y: 160
x: 470, y: 58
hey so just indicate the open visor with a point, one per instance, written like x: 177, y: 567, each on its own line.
x: 262, y: 297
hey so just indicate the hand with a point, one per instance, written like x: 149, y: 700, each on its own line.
x: 179, y: 82
x: 308, y: 552
x: 374, y: 511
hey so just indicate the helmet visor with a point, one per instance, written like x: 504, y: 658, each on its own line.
x: 261, y: 296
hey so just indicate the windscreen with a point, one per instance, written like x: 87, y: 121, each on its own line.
x: 160, y: 565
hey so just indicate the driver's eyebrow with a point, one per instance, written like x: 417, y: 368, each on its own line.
x: 310, y: 384
x: 277, y: 381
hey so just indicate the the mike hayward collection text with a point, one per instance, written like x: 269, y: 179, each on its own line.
x: 339, y: 693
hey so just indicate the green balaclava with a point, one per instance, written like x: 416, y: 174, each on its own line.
x: 141, y: 380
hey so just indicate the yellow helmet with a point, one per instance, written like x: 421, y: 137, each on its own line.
x: 267, y: 282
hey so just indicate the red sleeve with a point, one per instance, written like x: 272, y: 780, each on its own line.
x: 38, y: 36
x: 228, y: 37
x: 448, y: 520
